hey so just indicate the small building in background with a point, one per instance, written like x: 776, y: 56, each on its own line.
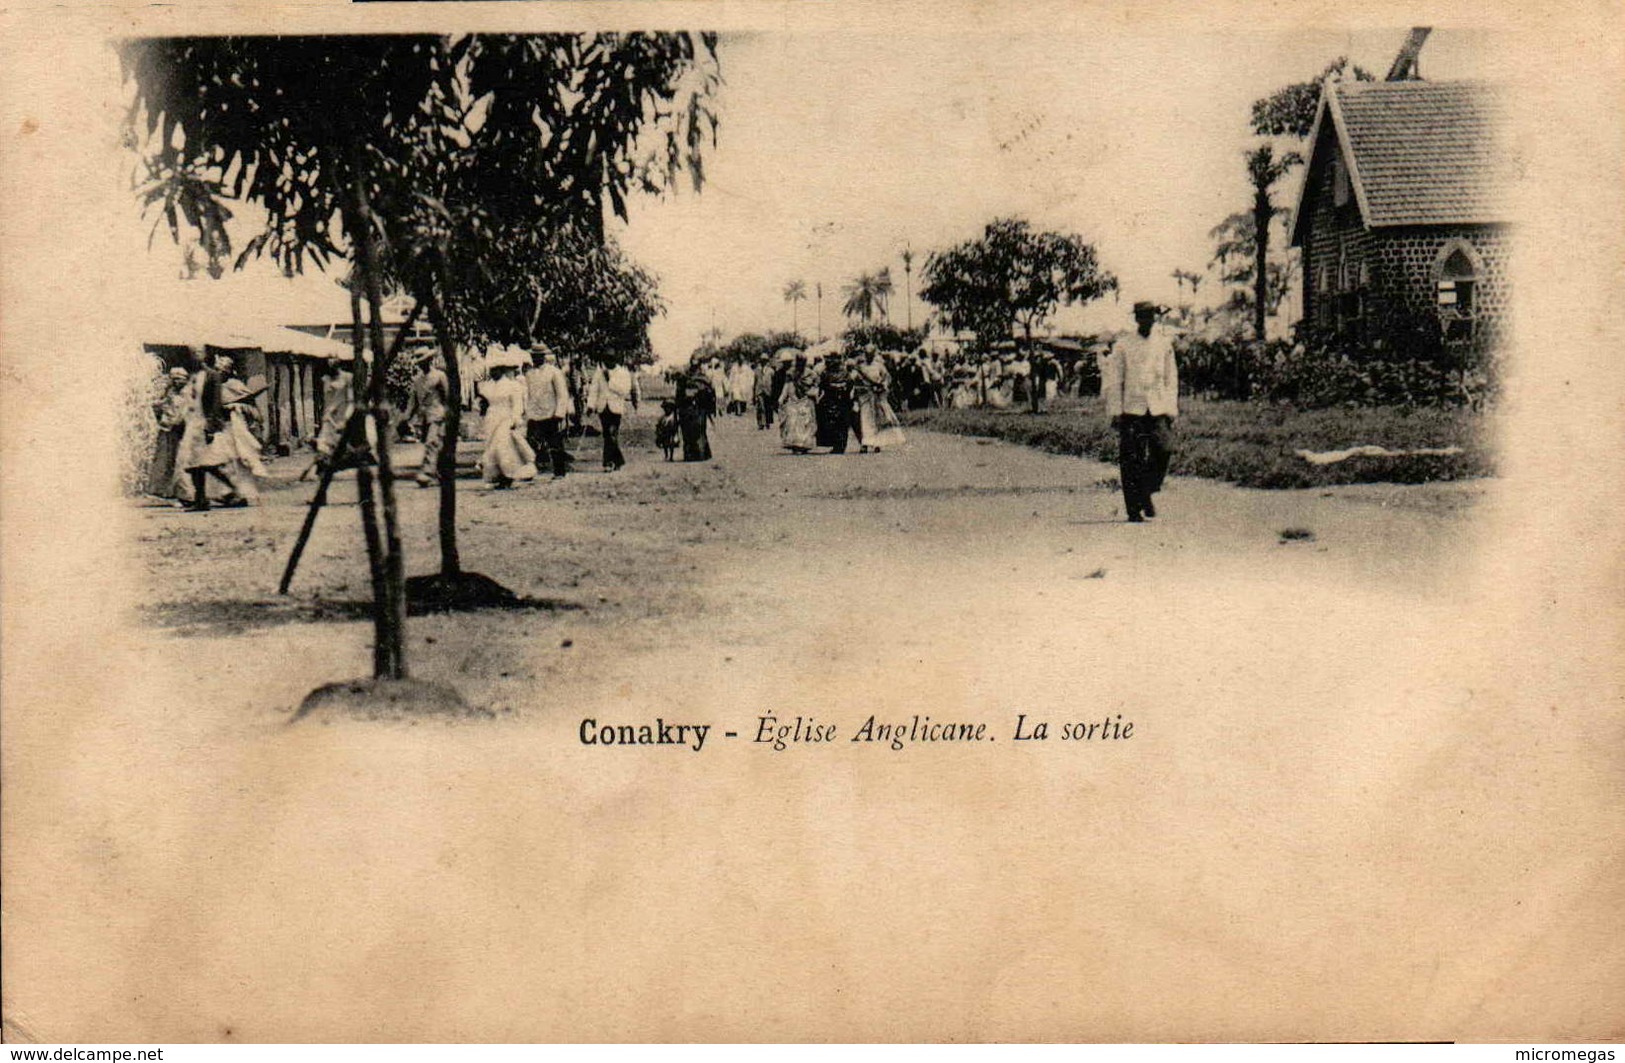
x: 1401, y: 218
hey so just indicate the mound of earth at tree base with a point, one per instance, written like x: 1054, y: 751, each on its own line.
x: 466, y: 592
x: 387, y: 699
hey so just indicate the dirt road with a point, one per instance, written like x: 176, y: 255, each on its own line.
x: 1309, y: 832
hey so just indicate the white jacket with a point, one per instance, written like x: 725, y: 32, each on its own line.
x: 611, y: 390
x: 1139, y: 376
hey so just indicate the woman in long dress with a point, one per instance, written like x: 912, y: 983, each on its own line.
x: 163, y: 475
x: 878, y: 426
x: 798, y: 427
x: 1001, y: 384
x: 696, y: 405
x: 508, y: 456
x: 244, y: 463
x: 205, y: 448
x: 834, y: 407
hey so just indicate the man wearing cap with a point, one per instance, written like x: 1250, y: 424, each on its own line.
x: 547, y: 400
x: 1140, y: 383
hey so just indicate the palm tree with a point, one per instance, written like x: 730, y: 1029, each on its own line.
x: 1263, y: 171
x: 867, y: 294
x: 795, y: 292
x: 908, y: 285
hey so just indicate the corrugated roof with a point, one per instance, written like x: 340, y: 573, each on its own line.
x: 1423, y: 152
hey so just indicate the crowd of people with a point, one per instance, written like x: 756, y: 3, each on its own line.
x: 916, y: 380
x: 528, y: 410
x: 206, y: 434
x: 818, y: 398
x: 823, y: 397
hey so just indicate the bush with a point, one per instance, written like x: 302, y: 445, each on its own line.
x: 1319, y: 377
x: 1254, y: 444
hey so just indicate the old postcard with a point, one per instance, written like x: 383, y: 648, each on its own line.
x: 811, y: 522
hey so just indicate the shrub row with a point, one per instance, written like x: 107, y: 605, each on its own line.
x: 1254, y: 444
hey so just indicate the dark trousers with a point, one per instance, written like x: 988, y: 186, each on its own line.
x: 1144, y: 448
x: 547, y: 437
x: 610, y: 423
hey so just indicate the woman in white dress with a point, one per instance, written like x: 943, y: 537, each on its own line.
x: 798, y: 423
x: 1001, y: 384
x: 877, y: 421
x: 242, y: 451
x: 508, y: 456
x: 205, y: 449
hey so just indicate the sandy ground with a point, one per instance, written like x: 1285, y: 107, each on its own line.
x: 1339, y: 814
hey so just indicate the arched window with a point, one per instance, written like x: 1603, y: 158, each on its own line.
x: 1455, y: 274
x: 1456, y: 280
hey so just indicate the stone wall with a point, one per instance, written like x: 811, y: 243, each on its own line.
x: 1409, y: 258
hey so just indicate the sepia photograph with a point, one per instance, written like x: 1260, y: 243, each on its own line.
x: 827, y: 526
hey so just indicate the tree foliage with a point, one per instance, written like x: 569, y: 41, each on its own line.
x: 474, y: 169
x: 1012, y: 277
x: 868, y: 295
x: 1290, y: 110
x: 884, y: 336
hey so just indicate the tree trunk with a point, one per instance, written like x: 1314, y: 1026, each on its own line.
x: 1262, y: 212
x: 1261, y: 242
x: 1032, y: 368
x: 451, y: 565
x: 376, y: 569
x: 390, y: 652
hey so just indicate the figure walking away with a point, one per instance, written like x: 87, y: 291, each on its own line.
x: 547, y: 405
x: 834, y: 407
x: 696, y: 405
x: 508, y: 457
x: 1140, y: 383
x: 613, y: 389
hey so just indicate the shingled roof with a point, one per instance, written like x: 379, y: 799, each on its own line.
x: 1419, y: 152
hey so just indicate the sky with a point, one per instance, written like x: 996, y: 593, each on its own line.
x: 836, y: 152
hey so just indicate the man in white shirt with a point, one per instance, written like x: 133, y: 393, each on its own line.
x: 613, y: 388
x: 547, y: 400
x: 1140, y: 383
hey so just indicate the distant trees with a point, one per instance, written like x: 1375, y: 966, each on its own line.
x: 1264, y: 170
x: 1290, y: 110
x: 908, y: 286
x: 795, y: 292
x: 1235, y: 256
x: 867, y: 295
x: 885, y: 336
x: 747, y: 345
x: 1243, y: 249
x: 1010, y: 278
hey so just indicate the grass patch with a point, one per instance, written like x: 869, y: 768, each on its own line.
x: 1252, y: 444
